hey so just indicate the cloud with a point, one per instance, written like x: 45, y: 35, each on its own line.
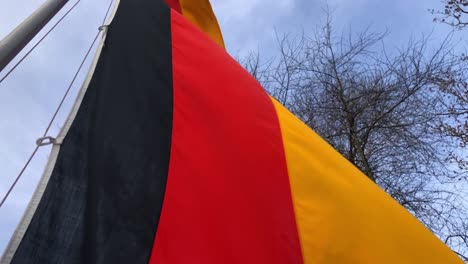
x: 248, y: 25
x: 252, y: 25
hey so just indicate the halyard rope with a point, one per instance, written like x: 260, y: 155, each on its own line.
x: 47, y: 140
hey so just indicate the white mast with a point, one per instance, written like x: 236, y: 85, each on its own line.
x: 14, y: 42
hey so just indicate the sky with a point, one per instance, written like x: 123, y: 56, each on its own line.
x: 30, y: 95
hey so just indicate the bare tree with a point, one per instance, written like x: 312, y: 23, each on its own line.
x: 381, y: 110
x: 455, y: 13
x: 454, y: 86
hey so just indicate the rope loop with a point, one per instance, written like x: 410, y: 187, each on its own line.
x: 103, y: 27
x: 44, y: 141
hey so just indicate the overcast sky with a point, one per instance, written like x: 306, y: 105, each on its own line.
x: 31, y: 93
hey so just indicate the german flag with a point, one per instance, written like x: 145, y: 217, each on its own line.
x: 177, y: 155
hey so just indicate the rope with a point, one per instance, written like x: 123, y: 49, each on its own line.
x: 39, y: 42
x: 56, y: 111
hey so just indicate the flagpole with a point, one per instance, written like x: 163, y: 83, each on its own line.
x: 14, y: 42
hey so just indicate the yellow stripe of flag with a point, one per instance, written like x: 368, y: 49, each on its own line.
x: 342, y: 216
x: 201, y: 14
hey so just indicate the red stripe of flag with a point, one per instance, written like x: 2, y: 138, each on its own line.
x: 227, y: 198
x: 174, y: 4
